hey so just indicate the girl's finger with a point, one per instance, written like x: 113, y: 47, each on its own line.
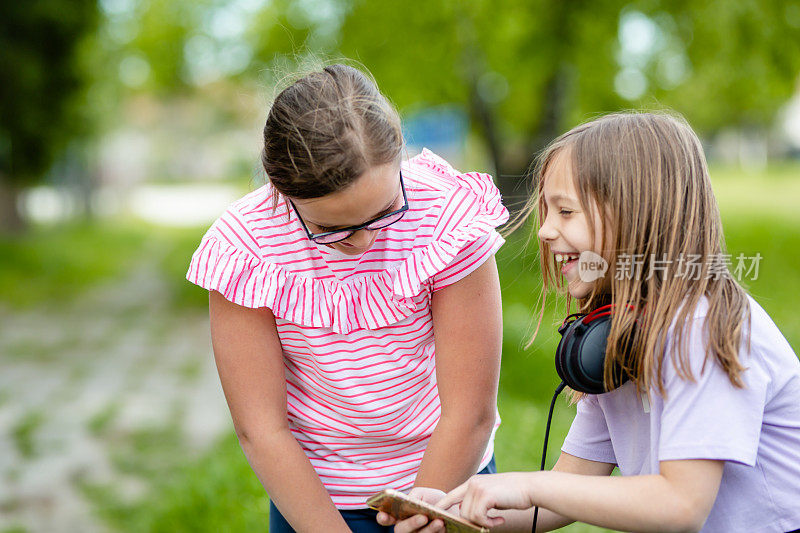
x: 467, y: 506
x: 385, y: 519
x: 437, y: 526
x: 453, y: 497
x: 414, y: 523
x: 495, y: 521
x: 475, y: 509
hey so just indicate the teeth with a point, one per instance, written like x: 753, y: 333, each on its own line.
x: 559, y: 258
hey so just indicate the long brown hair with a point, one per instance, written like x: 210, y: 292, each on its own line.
x: 647, y: 174
x: 325, y: 130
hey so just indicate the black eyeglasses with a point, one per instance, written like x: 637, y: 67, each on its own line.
x: 376, y: 223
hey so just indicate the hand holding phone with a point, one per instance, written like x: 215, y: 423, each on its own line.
x: 401, y: 506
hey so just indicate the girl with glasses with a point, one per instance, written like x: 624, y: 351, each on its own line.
x: 355, y: 310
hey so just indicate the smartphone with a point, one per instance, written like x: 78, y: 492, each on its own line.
x: 401, y: 506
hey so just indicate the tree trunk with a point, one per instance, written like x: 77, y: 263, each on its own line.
x: 550, y: 125
x: 483, y: 113
x: 472, y: 64
x: 11, y: 221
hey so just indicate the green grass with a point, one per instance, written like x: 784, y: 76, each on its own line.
x: 101, y: 421
x: 23, y: 431
x: 215, y: 492
x: 218, y: 491
x: 14, y: 529
x: 51, y: 264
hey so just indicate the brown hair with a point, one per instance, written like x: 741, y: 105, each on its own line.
x: 325, y: 130
x: 647, y: 174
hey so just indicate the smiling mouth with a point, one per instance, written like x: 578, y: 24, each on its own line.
x: 566, y: 258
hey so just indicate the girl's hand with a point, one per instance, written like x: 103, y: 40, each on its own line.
x: 479, y: 495
x: 418, y: 523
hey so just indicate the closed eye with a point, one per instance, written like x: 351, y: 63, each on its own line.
x: 325, y: 229
x: 565, y: 212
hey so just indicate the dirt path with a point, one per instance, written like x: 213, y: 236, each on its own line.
x: 78, y: 379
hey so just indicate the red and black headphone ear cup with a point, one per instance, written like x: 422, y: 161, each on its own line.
x: 563, y: 351
x: 588, y: 357
x: 580, y: 356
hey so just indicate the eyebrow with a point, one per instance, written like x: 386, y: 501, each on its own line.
x: 381, y: 212
x: 561, y: 197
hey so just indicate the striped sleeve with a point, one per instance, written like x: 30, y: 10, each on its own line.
x: 228, y: 261
x: 468, y: 260
x: 466, y: 227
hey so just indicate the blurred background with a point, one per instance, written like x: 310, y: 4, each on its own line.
x: 127, y: 126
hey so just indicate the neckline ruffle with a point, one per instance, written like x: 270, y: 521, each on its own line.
x: 362, y: 302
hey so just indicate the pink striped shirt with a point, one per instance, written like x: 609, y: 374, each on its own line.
x: 357, y: 331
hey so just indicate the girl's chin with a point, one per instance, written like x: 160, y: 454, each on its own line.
x: 579, y: 289
x: 351, y: 250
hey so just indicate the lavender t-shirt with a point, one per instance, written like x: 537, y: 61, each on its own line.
x: 755, y: 430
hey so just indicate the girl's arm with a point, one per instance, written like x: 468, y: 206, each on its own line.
x: 514, y: 519
x: 522, y: 519
x: 467, y: 328
x: 679, y: 498
x: 250, y: 364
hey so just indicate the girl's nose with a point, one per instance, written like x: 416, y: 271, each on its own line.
x: 547, y: 232
x: 361, y: 239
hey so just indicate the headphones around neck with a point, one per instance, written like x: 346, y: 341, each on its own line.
x: 580, y: 362
x: 581, y: 352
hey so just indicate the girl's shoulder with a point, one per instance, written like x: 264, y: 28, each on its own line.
x: 257, y: 223
x: 428, y: 171
x: 458, y: 201
x: 762, y: 346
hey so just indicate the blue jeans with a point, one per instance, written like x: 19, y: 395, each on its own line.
x: 359, y: 520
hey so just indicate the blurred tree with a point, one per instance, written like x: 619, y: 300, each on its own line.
x: 529, y: 69
x: 518, y: 66
x: 40, y: 86
x: 723, y: 63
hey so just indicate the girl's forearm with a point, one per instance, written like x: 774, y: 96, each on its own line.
x: 291, y: 482
x: 454, y: 452
x: 631, y: 503
x: 517, y: 521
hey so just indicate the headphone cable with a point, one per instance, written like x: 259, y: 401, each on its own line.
x: 544, y: 449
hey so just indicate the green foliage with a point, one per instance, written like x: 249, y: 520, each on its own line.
x: 15, y: 529
x: 178, y: 246
x: 742, y: 59
x: 59, y: 263
x: 40, y: 82
x: 167, y: 26
x: 539, y: 67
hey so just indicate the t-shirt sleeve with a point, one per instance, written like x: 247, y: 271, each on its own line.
x: 465, y: 233
x: 588, y: 437
x: 468, y: 259
x: 709, y: 417
x: 228, y: 261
